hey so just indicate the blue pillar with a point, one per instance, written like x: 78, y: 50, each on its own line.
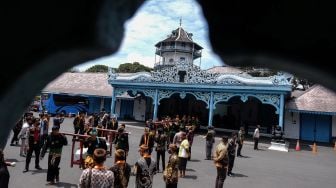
x: 211, y: 109
x: 113, y: 102
x: 156, y: 105
x: 281, y: 112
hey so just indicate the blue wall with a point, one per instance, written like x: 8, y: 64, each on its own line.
x: 107, y: 104
x: 94, y: 105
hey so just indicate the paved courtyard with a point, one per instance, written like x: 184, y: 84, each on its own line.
x: 263, y: 168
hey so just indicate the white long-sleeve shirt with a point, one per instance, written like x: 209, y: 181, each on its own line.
x: 24, y: 130
x: 256, y: 133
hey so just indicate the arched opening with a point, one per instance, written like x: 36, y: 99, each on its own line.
x: 189, y: 105
x: 235, y: 113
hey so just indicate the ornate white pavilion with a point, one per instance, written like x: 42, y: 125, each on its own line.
x: 178, y: 86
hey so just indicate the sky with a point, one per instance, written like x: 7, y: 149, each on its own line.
x: 152, y: 23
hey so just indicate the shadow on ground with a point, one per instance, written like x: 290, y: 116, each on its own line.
x: 14, y: 160
x: 195, y: 160
x: 236, y: 175
x: 190, y: 170
x: 244, y: 156
x: 66, y: 185
x: 190, y: 177
x: 38, y: 171
x: 259, y: 149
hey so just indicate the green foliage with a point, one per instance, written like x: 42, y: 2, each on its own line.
x: 97, y: 68
x: 124, y: 68
x: 301, y: 83
x: 133, y: 67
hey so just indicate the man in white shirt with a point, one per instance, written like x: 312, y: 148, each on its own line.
x: 178, y: 138
x: 23, y: 135
x: 256, y: 137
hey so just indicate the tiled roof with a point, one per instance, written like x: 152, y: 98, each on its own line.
x: 80, y: 84
x: 315, y: 99
x: 180, y: 35
x: 225, y: 70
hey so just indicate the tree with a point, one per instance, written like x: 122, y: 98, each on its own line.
x: 301, y: 83
x: 97, y: 68
x: 133, y: 67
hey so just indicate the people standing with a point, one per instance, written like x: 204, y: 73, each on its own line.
x: 112, y: 124
x: 4, y: 173
x: 93, y: 143
x: 190, y: 137
x: 121, y: 142
x: 87, y: 129
x: 170, y: 175
x: 91, y: 120
x: 54, y: 142
x: 23, y: 135
x: 183, y: 154
x: 256, y: 136
x: 172, y: 127
x: 16, y: 130
x: 232, y: 152
x: 44, y: 127
x: 221, y: 160
x: 161, y: 141
x: 144, y: 169
x: 78, y: 123
x: 166, y: 127
x: 96, y: 119
x: 98, y: 175
x: 34, y: 145
x: 193, y: 122
x: 121, y: 170
x: 150, y: 124
x: 209, y: 141
x: 104, y: 120
x: 240, y: 141
x: 147, y: 140
x: 58, y: 120
x: 178, y: 138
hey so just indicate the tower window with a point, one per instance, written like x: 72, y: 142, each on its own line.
x: 182, y: 59
x: 171, y: 60
x: 183, y: 44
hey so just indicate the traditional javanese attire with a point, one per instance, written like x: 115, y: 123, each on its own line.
x: 148, y: 140
x: 121, y: 142
x: 145, y: 169
x: 55, y: 142
x: 34, y: 146
x: 93, y: 144
x: 96, y: 178
x: 170, y: 175
x: 122, y: 172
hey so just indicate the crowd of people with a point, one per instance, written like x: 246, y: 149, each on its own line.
x: 174, y: 135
